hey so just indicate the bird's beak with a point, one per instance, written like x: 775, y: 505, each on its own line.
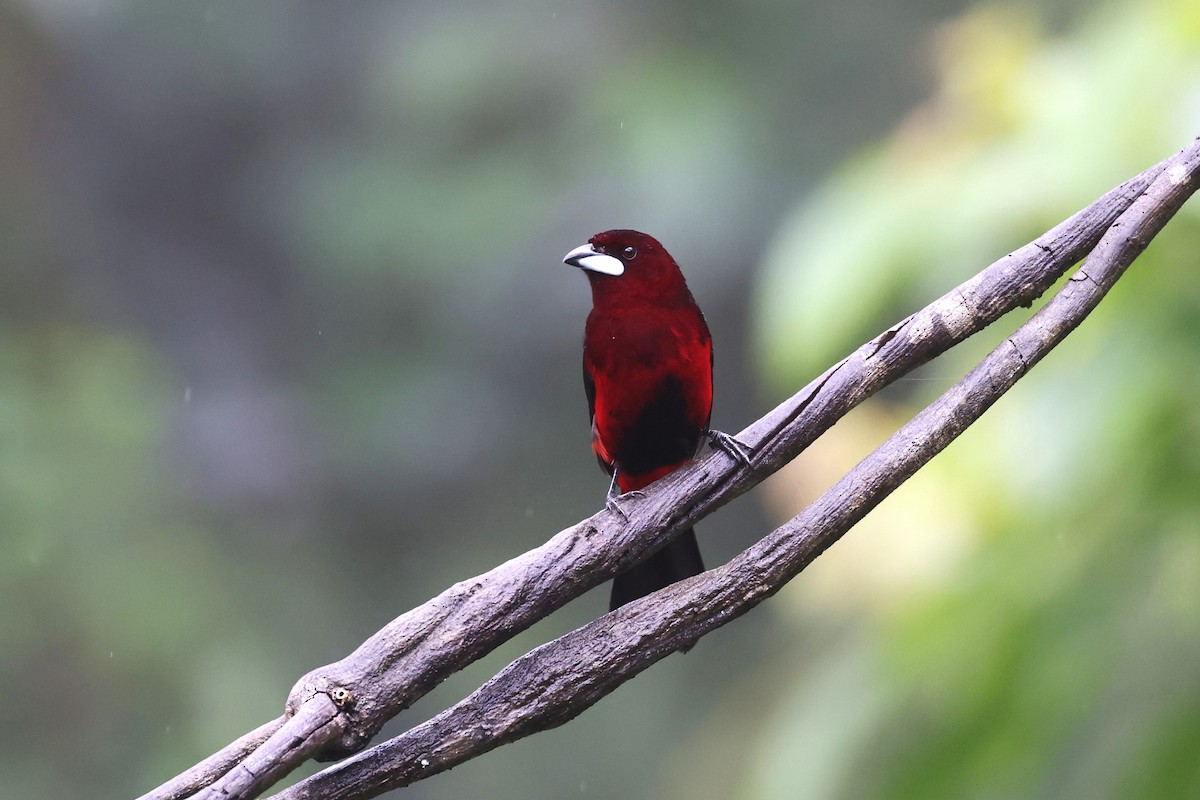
x: 586, y: 257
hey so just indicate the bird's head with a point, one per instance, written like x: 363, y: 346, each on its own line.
x: 624, y: 262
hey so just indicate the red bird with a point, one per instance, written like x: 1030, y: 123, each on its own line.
x: 647, y: 371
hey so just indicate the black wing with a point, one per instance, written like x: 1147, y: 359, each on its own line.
x: 589, y: 388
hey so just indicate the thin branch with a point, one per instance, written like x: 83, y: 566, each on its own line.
x: 311, y: 728
x: 212, y: 768
x: 555, y: 682
x: 416, y: 651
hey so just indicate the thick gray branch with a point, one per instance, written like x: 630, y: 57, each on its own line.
x: 419, y: 649
x: 552, y: 684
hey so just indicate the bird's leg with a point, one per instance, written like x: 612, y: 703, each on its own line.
x: 735, y: 447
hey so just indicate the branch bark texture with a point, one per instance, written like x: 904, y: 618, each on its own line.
x: 553, y: 683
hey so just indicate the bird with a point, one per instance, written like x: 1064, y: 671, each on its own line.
x: 647, y: 373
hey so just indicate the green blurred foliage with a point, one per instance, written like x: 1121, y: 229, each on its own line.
x: 1059, y: 659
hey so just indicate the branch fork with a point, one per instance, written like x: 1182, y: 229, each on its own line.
x: 335, y: 711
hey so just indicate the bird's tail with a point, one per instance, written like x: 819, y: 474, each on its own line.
x: 679, y: 559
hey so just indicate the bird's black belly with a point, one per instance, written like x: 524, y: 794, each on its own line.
x: 660, y: 434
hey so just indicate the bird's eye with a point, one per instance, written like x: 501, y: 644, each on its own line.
x: 629, y: 252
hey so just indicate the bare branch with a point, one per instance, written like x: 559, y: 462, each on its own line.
x: 416, y: 651
x: 312, y: 727
x: 212, y: 768
x: 553, y: 683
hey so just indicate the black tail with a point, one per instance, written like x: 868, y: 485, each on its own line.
x: 678, y: 560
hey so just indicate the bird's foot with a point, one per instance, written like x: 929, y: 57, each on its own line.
x: 614, y: 500
x: 735, y: 447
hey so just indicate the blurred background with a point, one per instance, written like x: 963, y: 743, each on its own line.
x: 286, y: 348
